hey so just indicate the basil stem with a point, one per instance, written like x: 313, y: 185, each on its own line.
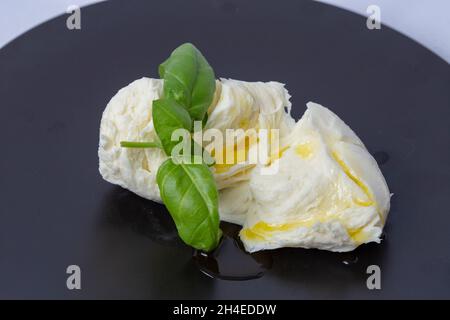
x: 190, y: 194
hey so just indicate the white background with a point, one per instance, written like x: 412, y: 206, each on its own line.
x: 426, y: 21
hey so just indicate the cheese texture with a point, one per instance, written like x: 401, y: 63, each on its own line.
x: 327, y: 191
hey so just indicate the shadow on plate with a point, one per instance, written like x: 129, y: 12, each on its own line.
x: 230, y: 261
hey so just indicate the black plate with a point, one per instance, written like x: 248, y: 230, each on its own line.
x: 57, y: 211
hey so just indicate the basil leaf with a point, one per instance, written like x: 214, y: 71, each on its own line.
x: 190, y: 194
x: 206, y: 156
x: 189, y: 80
x: 205, y: 120
x: 168, y: 116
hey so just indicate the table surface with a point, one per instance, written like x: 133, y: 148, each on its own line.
x: 427, y: 22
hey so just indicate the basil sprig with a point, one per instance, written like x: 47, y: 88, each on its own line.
x: 190, y: 194
x: 188, y: 190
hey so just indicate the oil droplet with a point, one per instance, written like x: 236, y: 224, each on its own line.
x: 350, y: 259
x: 229, y: 261
x: 381, y: 157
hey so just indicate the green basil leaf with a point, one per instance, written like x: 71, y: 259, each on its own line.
x: 190, y: 194
x: 193, y: 152
x: 205, y: 120
x: 141, y: 144
x: 168, y: 116
x: 189, y: 80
